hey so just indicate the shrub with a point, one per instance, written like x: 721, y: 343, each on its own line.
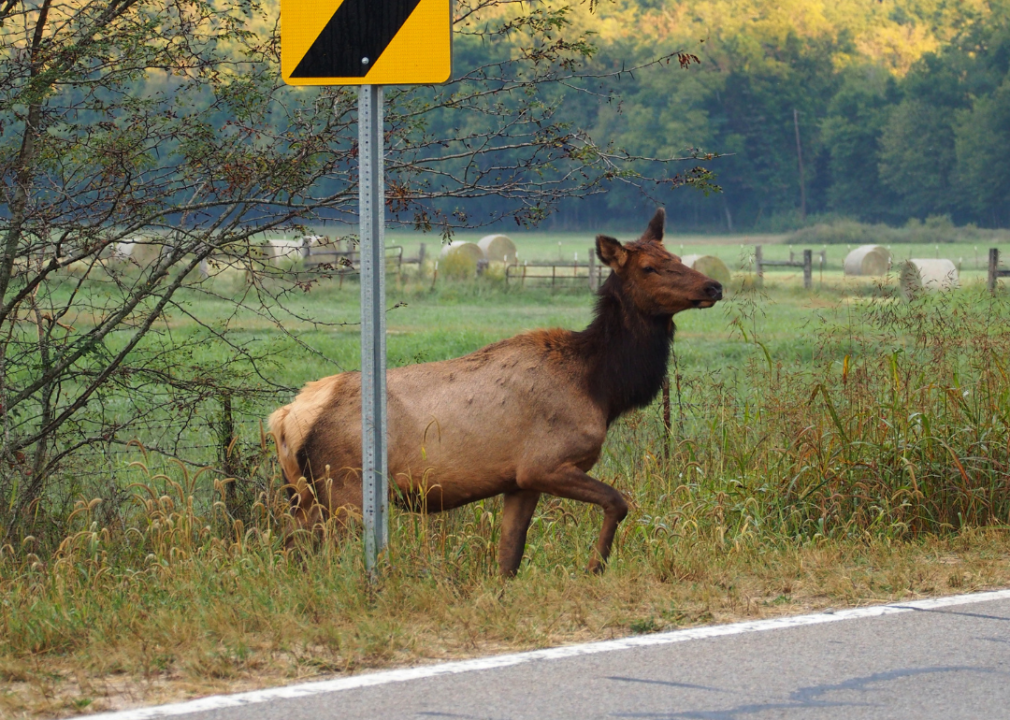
x: 935, y: 230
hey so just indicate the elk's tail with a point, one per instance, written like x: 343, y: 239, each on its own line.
x: 292, y: 424
x: 287, y: 446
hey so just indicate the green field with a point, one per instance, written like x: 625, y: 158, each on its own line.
x: 827, y: 447
x: 443, y: 319
x: 735, y: 250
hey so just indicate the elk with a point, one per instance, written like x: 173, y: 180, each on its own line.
x: 519, y: 418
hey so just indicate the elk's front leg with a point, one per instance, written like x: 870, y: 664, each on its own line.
x: 519, y: 507
x: 568, y: 481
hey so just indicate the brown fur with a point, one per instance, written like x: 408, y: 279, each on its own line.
x: 518, y: 418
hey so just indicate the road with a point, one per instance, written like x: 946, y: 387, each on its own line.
x: 943, y: 658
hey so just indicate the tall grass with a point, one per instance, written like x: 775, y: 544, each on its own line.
x: 900, y: 426
x: 780, y: 481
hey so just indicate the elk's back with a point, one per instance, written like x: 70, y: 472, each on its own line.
x: 459, y: 430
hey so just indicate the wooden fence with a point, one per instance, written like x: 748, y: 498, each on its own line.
x: 560, y: 272
x: 348, y: 262
x: 807, y: 264
x: 994, y: 270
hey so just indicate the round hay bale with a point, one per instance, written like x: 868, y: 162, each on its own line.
x: 286, y: 250
x: 133, y: 251
x: 927, y: 275
x: 498, y: 248
x: 710, y: 266
x: 123, y: 250
x: 467, y: 249
x: 460, y: 259
x: 146, y: 252
x: 868, y: 260
x: 117, y: 252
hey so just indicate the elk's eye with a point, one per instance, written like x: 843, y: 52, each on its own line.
x: 648, y: 269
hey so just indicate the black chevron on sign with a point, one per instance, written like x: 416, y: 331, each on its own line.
x: 359, y: 29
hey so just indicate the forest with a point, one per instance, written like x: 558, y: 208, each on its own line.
x: 874, y: 110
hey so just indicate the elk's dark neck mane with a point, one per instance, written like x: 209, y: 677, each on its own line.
x: 626, y: 353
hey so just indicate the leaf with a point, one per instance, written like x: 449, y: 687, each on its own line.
x: 831, y: 410
x: 768, y: 356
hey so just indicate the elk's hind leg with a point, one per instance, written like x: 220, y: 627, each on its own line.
x: 312, y: 505
x: 519, y: 507
x: 304, y: 512
x: 568, y: 481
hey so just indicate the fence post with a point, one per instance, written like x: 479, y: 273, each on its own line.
x: 758, y: 258
x: 420, y: 259
x: 666, y: 418
x: 808, y: 269
x: 993, y: 268
x: 592, y: 271
x: 227, y: 452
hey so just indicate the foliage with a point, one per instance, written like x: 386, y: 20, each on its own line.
x: 982, y: 144
x: 852, y: 130
x: 899, y: 109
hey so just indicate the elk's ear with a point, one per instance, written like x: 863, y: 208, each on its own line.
x: 611, y: 252
x: 656, y: 226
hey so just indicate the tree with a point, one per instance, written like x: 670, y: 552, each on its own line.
x: 141, y: 140
x: 753, y: 112
x: 917, y: 159
x: 981, y: 131
x: 851, y: 132
x: 982, y: 145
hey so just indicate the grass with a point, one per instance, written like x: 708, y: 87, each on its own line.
x: 235, y: 613
x: 829, y: 448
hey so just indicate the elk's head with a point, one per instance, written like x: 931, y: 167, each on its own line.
x: 655, y: 280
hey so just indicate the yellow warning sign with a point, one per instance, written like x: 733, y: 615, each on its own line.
x: 366, y: 42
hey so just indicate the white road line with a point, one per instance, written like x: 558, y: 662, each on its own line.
x: 217, y: 702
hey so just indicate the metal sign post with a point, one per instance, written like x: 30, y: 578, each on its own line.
x: 375, y: 494
x: 371, y: 44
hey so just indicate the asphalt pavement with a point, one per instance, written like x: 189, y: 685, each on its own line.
x: 947, y: 658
